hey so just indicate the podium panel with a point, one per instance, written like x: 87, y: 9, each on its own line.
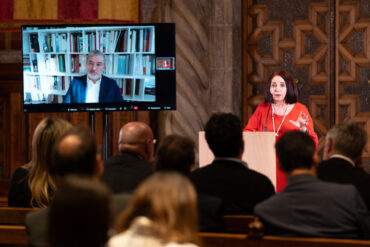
x: 259, y: 152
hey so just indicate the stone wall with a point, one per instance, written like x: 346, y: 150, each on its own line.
x: 209, y: 60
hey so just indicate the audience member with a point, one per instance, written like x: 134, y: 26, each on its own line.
x: 344, y: 144
x: 162, y: 213
x: 124, y: 172
x: 177, y: 153
x: 32, y: 185
x: 75, y: 153
x: 80, y: 214
x: 228, y: 177
x: 309, y: 207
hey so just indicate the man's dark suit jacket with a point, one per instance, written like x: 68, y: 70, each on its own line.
x: 109, y: 91
x: 210, y: 214
x: 239, y: 187
x: 309, y: 207
x: 341, y: 171
x: 37, y: 221
x: 123, y: 173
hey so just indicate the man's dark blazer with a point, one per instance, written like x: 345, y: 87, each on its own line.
x: 37, y: 221
x: 239, y: 187
x: 309, y: 207
x: 210, y: 214
x: 109, y: 91
x: 123, y: 173
x: 341, y: 171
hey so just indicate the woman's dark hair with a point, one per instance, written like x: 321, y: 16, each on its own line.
x: 80, y: 214
x: 292, y: 90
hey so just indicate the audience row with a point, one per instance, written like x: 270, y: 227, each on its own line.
x: 165, y: 204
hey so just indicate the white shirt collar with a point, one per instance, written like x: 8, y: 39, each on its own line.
x: 340, y: 156
x: 233, y: 159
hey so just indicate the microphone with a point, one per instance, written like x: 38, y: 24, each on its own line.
x: 265, y: 128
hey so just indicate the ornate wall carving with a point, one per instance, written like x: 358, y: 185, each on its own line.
x: 352, y: 87
x: 324, y: 44
x: 290, y: 35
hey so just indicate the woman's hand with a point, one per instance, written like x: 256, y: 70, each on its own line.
x: 301, y: 122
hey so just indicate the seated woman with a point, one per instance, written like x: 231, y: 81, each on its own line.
x: 162, y: 212
x: 31, y: 185
x: 80, y: 213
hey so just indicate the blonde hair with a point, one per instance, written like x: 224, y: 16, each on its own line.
x: 169, y: 200
x: 40, y: 182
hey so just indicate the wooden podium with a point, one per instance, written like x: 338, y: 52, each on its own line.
x: 259, y: 152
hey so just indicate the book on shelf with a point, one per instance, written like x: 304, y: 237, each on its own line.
x: 120, y: 83
x: 137, y: 86
x: 61, y: 43
x: 48, y: 42
x: 53, y: 63
x: 91, y: 38
x: 34, y: 40
x: 128, y: 87
x: 74, y: 63
x: 149, y: 91
x: 120, y: 41
x: 125, y: 41
x: 82, y: 63
x: 27, y: 64
x: 122, y: 64
x: 76, y: 42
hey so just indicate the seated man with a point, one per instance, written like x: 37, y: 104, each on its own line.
x: 124, y: 172
x: 93, y: 87
x: 344, y: 144
x: 309, y: 207
x: 228, y: 177
x: 176, y: 153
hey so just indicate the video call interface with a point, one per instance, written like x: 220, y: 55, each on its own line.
x: 140, y: 59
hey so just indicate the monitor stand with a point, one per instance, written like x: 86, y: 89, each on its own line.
x: 105, y: 131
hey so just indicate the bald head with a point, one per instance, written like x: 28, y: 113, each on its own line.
x: 136, y: 137
x: 68, y: 145
x: 76, y: 153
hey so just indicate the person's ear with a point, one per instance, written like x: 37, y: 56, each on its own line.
x: 241, y: 151
x: 315, y: 159
x: 147, y: 149
x: 192, y: 167
x: 328, y: 148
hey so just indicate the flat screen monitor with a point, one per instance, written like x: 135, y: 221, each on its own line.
x: 115, y: 67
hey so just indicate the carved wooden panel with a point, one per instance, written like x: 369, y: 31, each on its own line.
x: 352, y: 87
x: 290, y: 35
x: 324, y: 44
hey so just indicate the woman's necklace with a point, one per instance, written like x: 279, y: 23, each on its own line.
x: 273, y: 120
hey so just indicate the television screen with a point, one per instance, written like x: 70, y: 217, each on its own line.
x: 115, y: 67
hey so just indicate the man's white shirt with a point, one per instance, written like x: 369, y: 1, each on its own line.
x: 92, y: 91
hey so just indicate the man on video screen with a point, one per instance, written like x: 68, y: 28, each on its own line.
x: 93, y: 87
